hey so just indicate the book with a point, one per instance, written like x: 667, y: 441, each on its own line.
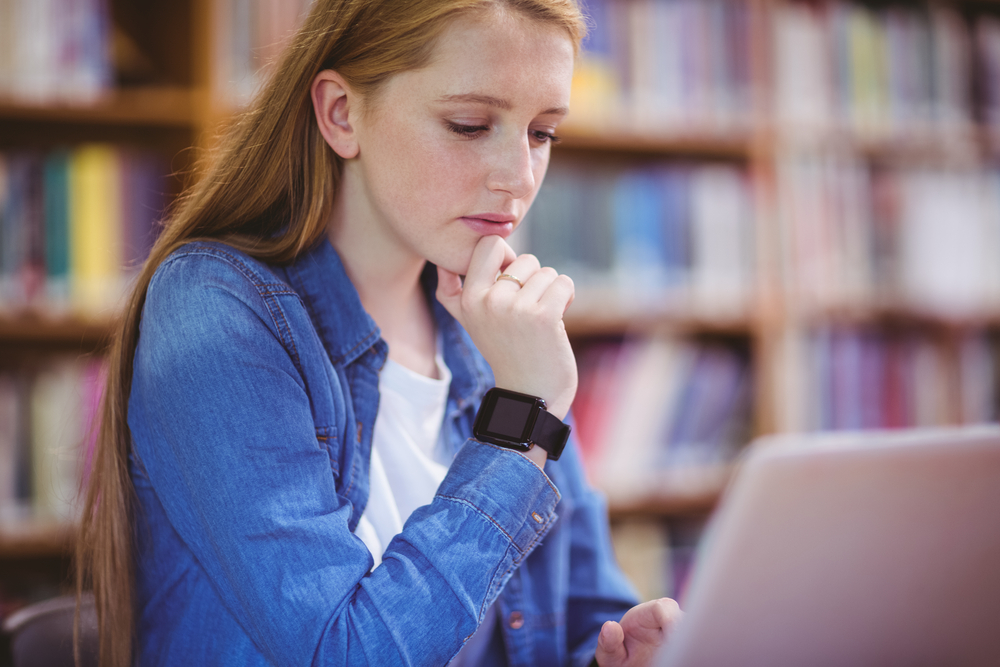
x: 55, y: 51
x: 56, y: 200
x: 16, y: 483
x: 56, y: 436
x: 642, y: 549
x: 76, y: 224
x: 252, y: 34
x: 874, y: 70
x: 660, y: 236
x: 661, y: 413
x: 95, y: 237
x: 666, y: 65
x: 47, y: 435
x: 878, y: 377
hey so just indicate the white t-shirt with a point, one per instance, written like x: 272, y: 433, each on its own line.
x: 408, y: 464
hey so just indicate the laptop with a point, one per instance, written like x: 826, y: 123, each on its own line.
x: 851, y: 549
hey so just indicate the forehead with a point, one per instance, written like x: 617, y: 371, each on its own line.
x: 498, y: 53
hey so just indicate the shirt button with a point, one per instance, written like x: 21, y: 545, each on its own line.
x: 516, y: 620
x: 536, y: 516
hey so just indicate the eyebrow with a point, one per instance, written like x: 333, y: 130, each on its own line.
x: 491, y: 101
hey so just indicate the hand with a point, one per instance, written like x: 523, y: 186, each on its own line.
x: 519, y: 330
x: 638, y: 638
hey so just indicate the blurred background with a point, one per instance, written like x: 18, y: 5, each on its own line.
x: 781, y: 216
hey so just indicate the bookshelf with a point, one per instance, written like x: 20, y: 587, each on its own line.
x: 772, y: 101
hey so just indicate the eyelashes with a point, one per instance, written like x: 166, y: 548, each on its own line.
x: 546, y: 136
x: 468, y: 131
x: 475, y: 131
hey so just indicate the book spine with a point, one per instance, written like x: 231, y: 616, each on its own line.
x: 95, y: 227
x: 56, y: 197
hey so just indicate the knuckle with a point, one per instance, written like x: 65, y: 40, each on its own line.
x: 493, y: 301
x: 548, y: 272
x: 566, y: 282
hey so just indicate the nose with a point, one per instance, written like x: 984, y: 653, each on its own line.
x: 511, y: 169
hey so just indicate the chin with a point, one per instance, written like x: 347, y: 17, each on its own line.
x: 456, y: 261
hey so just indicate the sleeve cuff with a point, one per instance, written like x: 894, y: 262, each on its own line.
x: 508, y: 488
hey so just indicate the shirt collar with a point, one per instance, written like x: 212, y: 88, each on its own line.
x: 348, y: 331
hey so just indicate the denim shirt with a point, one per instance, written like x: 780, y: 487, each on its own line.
x: 254, y: 394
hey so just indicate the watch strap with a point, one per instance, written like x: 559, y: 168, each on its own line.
x: 550, y: 433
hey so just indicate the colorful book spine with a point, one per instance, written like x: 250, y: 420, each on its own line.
x: 56, y: 198
x: 876, y: 70
x: 662, y: 410
x: 659, y: 236
x: 253, y: 34
x: 666, y: 64
x: 47, y: 417
x: 55, y: 50
x: 853, y: 235
x: 95, y: 227
x: 75, y: 224
x: 877, y: 378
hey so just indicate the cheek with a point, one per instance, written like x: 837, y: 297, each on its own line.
x: 445, y: 176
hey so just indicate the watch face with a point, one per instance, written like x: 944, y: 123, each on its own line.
x: 506, y: 416
x: 509, y: 418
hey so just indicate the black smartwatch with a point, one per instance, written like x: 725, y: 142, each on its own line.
x: 519, y: 421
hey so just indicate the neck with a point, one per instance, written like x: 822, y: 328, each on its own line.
x: 387, y: 278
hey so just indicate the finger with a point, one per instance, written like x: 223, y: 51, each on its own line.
x: 449, y: 291
x: 523, y: 268
x: 508, y: 257
x: 611, y: 645
x: 559, y: 294
x: 488, y: 257
x: 669, y: 613
x: 537, y: 284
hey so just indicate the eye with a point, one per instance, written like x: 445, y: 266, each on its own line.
x: 468, y: 131
x: 543, y: 137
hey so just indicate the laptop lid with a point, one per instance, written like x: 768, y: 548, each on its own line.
x: 851, y: 549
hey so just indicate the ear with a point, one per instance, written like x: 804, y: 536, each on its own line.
x: 335, y: 106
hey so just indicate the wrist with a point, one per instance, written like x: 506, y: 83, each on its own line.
x: 538, y: 456
x: 521, y: 422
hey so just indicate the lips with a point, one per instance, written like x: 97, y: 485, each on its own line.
x: 493, y: 217
x: 486, y: 224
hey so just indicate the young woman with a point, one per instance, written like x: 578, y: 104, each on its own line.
x: 286, y: 472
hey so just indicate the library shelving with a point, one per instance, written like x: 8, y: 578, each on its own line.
x: 762, y: 192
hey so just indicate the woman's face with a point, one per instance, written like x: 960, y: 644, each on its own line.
x: 458, y: 149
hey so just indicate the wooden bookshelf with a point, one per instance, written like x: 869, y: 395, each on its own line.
x: 672, y: 506
x: 36, y: 539
x: 638, y: 323
x: 45, y: 330
x: 149, y: 107
x: 697, y: 144
x: 893, y: 315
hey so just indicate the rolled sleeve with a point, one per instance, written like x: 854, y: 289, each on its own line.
x: 509, y: 489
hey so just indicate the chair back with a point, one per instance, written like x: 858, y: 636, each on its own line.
x: 42, y: 633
